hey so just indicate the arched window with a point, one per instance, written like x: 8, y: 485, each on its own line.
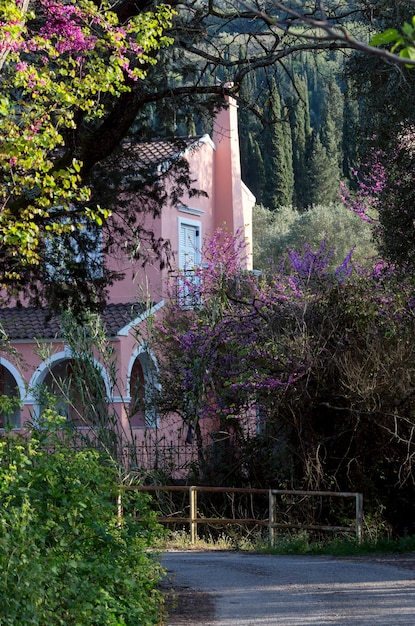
x: 58, y: 385
x: 78, y: 390
x: 142, y: 410
x: 137, y: 413
x: 9, y: 411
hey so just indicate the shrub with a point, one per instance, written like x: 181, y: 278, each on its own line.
x: 65, y: 558
x: 342, y: 230
x: 304, y: 374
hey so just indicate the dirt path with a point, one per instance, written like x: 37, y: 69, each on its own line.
x: 244, y: 589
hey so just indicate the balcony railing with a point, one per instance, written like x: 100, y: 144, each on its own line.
x: 185, y: 288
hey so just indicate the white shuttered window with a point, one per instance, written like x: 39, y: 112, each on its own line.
x: 188, y: 287
x: 189, y: 244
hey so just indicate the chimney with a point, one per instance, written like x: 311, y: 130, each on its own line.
x: 228, y: 183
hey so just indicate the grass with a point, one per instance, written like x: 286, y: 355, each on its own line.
x: 298, y: 543
x: 180, y: 540
x: 340, y: 546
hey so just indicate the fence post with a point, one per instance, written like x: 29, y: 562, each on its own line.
x: 193, y: 514
x: 271, y: 519
x: 119, y: 508
x: 359, y: 517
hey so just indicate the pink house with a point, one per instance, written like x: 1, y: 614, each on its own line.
x: 215, y: 165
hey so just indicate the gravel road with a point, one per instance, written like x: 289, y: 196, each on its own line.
x: 244, y: 589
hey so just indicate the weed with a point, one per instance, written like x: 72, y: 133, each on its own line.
x: 298, y: 543
x: 180, y: 540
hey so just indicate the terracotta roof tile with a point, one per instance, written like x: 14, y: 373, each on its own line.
x: 116, y: 316
x: 31, y: 323
x: 160, y: 150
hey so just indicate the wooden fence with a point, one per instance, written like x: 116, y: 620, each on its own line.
x: 194, y: 519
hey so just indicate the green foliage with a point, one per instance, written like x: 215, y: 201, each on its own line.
x: 302, y: 543
x: 384, y: 91
x: 322, y: 173
x: 279, y: 176
x: 78, y: 390
x: 298, y: 543
x: 386, y: 130
x: 9, y: 406
x: 350, y: 134
x: 50, y: 81
x: 65, y: 558
x: 300, y: 130
x: 180, y: 540
x: 302, y: 142
x: 327, y: 177
x: 402, y: 40
x: 274, y: 231
x: 396, y: 202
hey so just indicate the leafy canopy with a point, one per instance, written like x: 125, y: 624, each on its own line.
x: 402, y: 40
x: 65, y: 557
x: 59, y: 61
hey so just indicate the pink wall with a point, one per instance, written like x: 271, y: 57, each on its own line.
x: 139, y: 281
x: 228, y: 189
x: 216, y: 167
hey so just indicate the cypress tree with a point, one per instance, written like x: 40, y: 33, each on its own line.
x: 190, y: 125
x: 350, y: 130
x: 254, y: 173
x: 300, y: 132
x: 321, y: 173
x: 278, y: 189
x: 288, y: 157
x: 330, y: 136
x: 252, y: 166
x: 331, y: 133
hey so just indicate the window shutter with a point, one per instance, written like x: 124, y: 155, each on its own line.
x: 188, y: 246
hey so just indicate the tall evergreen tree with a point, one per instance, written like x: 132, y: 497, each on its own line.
x: 331, y: 132
x: 288, y: 156
x: 321, y: 173
x: 253, y: 174
x: 190, y: 125
x: 279, y: 175
x: 300, y: 132
x: 350, y: 138
x: 252, y: 165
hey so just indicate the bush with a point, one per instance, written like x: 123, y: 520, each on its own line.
x: 342, y: 230
x: 65, y: 558
x: 305, y: 376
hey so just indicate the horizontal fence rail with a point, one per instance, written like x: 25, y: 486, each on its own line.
x: 358, y: 497
x: 194, y: 519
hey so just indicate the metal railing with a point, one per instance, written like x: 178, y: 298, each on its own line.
x: 185, y: 288
x: 169, y: 457
x: 193, y: 519
x: 357, y: 528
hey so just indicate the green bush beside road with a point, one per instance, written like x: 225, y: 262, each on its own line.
x: 65, y: 558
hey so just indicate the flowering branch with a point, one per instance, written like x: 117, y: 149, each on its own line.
x: 58, y: 61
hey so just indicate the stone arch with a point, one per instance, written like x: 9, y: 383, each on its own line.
x: 141, y: 387
x: 54, y: 376
x: 13, y: 386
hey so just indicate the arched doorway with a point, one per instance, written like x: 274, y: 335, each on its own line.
x: 58, y: 390
x: 77, y: 390
x: 142, y: 410
x: 10, y: 406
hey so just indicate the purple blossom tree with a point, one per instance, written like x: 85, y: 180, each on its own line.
x: 385, y: 198
x: 309, y: 372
